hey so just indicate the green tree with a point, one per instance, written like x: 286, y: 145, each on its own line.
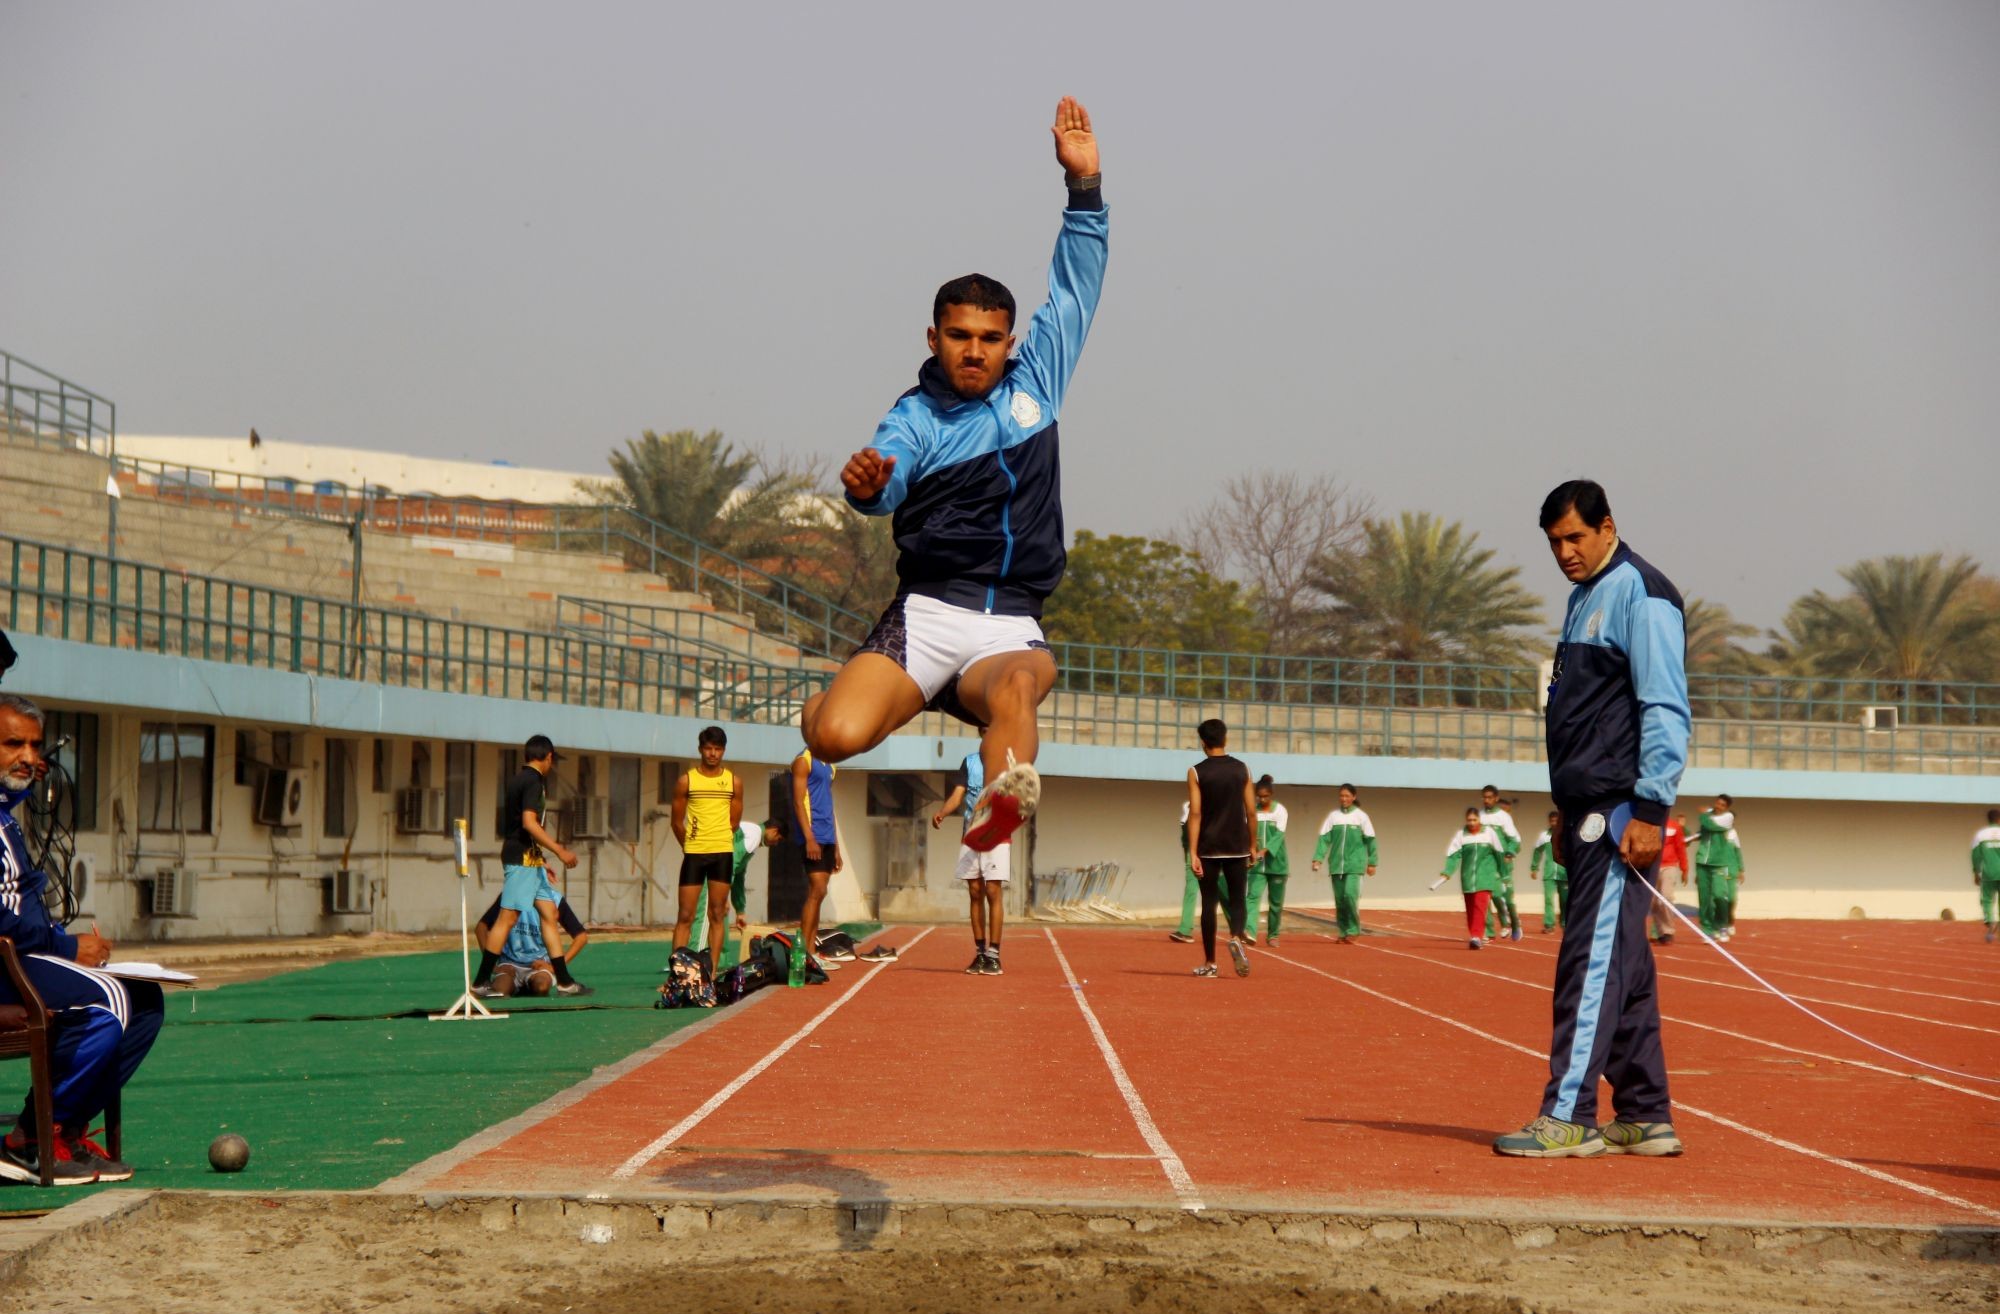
x: 1132, y: 592
x: 1713, y: 639
x: 701, y: 485
x: 1911, y: 620
x: 1417, y: 589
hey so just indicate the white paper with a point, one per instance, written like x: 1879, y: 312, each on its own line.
x: 145, y: 972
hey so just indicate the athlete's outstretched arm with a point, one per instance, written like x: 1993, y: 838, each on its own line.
x: 1076, y: 144
x: 1050, y: 347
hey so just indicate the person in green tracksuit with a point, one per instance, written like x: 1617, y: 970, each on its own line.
x: 1347, y: 847
x: 1718, y: 866
x: 1474, y: 856
x: 748, y: 839
x: 1986, y: 873
x: 1271, y: 871
x: 1554, y: 876
x: 1190, y: 889
x: 1494, y: 816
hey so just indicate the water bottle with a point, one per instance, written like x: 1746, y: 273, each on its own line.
x: 797, y: 977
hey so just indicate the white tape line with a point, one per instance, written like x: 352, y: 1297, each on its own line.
x: 1806, y: 1150
x: 1170, y: 1163
x: 654, y: 1149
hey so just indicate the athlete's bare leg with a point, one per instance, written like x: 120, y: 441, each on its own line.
x: 718, y: 926
x: 687, y: 896
x: 1006, y: 692
x: 869, y: 700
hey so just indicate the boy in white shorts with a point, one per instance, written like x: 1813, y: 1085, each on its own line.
x: 967, y: 463
x: 984, y: 872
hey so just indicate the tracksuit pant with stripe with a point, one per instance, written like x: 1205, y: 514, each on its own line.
x: 1607, y: 1009
x: 103, y: 1028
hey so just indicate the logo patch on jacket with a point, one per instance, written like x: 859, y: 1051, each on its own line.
x: 1594, y: 625
x: 1026, y: 410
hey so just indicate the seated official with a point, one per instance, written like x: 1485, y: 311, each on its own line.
x: 103, y: 1027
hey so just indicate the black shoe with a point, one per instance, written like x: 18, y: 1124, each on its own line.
x: 992, y: 967
x: 89, y: 1154
x: 23, y: 1163
x: 978, y: 965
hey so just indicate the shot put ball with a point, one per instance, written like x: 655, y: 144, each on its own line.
x: 228, y: 1153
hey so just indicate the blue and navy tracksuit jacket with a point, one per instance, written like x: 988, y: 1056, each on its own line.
x: 1617, y: 736
x: 977, y: 488
x: 24, y: 918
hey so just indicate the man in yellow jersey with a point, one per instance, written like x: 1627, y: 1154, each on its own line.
x: 708, y: 806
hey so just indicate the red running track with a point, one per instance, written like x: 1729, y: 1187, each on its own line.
x: 1371, y: 1076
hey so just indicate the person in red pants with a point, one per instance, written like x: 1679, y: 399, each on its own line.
x: 1474, y: 857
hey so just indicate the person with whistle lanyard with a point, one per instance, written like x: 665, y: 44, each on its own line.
x: 1617, y: 726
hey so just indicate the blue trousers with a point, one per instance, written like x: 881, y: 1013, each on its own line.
x: 1607, y: 1008
x: 102, y: 1030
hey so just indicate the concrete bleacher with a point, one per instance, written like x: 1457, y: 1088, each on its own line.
x: 59, y: 498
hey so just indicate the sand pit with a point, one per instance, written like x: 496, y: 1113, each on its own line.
x: 173, y: 1252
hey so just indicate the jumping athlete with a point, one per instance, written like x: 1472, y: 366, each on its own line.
x: 1347, y: 847
x: 985, y: 874
x: 708, y: 807
x: 967, y: 463
x: 1617, y: 727
x: 1221, y: 812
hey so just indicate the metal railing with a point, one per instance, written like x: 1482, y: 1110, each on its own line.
x: 44, y: 408
x: 643, y: 624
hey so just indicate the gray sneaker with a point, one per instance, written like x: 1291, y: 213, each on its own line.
x: 1652, y: 1139
x: 1552, y: 1138
x: 573, y: 990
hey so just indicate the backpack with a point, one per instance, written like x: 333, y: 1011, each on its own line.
x: 688, y: 984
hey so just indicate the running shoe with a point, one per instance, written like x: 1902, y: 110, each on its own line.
x: 1667, y: 939
x: 1206, y: 970
x: 21, y: 1161
x: 1345, y: 939
x: 1182, y: 937
x: 1991, y: 935
x: 1551, y: 1138
x: 992, y: 967
x: 89, y: 1154
x: 1003, y: 805
x: 1271, y: 942
x: 486, y: 990
x: 572, y: 990
x: 1239, y: 957
x: 1475, y: 944
x: 977, y: 967
x: 823, y: 964
x: 1652, y: 1139
x: 1515, y: 935
x: 1250, y: 938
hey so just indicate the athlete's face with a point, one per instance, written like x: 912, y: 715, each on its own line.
x: 711, y: 756
x: 971, y: 346
x: 1264, y: 797
x: 1472, y: 821
x: 1490, y: 797
x: 1347, y: 798
x: 1580, y: 549
x: 20, y: 750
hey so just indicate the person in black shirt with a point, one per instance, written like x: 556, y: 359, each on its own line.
x: 1222, y: 809
x: 527, y: 888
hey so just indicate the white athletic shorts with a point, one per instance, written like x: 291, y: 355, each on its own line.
x: 995, y: 865
x: 936, y: 642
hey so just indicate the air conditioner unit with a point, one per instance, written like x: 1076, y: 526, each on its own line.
x: 82, y: 877
x: 560, y: 822
x: 420, y: 812
x: 1878, y: 718
x: 173, y: 893
x: 593, y: 817
x: 349, y: 893
x: 900, y: 846
x: 281, y: 798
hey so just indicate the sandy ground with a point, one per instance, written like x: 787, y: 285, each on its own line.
x: 313, y: 1253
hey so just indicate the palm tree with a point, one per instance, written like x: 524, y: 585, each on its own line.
x: 1712, y: 635
x: 701, y: 485
x: 1417, y: 589
x: 1910, y: 620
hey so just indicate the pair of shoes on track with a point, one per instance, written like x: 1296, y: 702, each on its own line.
x: 984, y: 963
x: 1010, y: 799
x: 1552, y: 1138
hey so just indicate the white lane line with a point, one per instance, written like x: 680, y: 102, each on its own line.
x: 1170, y: 1163
x: 1824, y: 1003
x: 1720, y: 1031
x: 655, y: 1148
x: 1835, y: 1160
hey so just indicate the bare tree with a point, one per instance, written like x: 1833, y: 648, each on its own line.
x: 1267, y: 528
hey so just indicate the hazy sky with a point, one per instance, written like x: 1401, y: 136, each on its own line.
x: 1740, y: 261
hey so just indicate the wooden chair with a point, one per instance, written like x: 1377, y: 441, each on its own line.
x: 24, y: 1033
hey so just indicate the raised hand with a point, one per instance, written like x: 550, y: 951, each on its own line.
x: 1076, y: 144
x: 865, y: 475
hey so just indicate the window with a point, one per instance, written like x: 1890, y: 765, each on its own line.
x: 457, y: 784
x: 176, y: 776
x: 670, y: 775
x: 339, y: 808
x: 78, y: 756
x: 510, y: 766
x: 625, y: 798
x: 381, y: 766
x: 420, y: 765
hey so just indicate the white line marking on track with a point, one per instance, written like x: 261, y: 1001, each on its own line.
x: 1720, y: 1031
x: 1170, y: 1163
x: 631, y: 1166
x: 1835, y: 1160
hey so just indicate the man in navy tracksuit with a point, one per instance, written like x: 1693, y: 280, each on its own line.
x: 967, y: 463
x: 103, y: 1026
x: 1618, y: 736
